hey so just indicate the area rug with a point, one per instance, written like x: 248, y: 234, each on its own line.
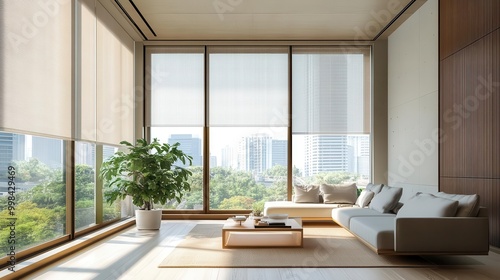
x: 330, y: 246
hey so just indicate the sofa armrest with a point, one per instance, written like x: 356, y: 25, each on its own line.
x: 443, y: 235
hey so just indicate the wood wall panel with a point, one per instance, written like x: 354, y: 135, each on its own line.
x: 464, y: 21
x: 469, y: 99
x: 451, y: 93
x: 477, y: 110
x: 495, y: 92
x: 489, y: 193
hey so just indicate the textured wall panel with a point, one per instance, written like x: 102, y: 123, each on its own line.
x: 470, y: 102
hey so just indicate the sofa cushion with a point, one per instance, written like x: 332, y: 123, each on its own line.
x: 374, y: 188
x: 343, y: 216
x: 304, y: 210
x: 339, y: 193
x: 364, y: 198
x: 428, y: 205
x: 306, y: 194
x: 386, y: 200
x: 468, y: 205
x: 377, y: 231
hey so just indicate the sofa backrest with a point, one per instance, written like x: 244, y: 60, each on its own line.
x: 468, y: 204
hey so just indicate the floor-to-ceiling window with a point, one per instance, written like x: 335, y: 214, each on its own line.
x: 176, y: 85
x: 85, y: 184
x: 248, y: 122
x: 242, y: 110
x: 331, y: 114
x: 66, y: 101
x: 32, y: 191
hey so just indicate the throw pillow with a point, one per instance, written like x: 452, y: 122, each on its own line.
x: 374, y: 188
x: 339, y: 193
x: 386, y: 200
x: 468, y: 205
x: 428, y: 205
x: 396, y: 209
x: 306, y: 194
x: 364, y: 198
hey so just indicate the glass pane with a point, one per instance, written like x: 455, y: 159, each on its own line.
x: 248, y: 167
x: 191, y: 142
x: 110, y: 211
x: 331, y: 159
x: 85, y: 155
x: 35, y: 167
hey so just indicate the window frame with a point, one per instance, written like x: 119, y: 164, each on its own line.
x: 206, y: 212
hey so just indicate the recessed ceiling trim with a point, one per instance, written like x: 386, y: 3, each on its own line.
x: 136, y: 18
x: 393, y: 20
x: 257, y: 43
x: 142, y: 17
x: 329, y: 20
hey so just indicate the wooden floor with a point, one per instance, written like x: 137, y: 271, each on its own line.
x: 134, y: 254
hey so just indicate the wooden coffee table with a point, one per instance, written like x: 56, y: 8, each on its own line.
x: 247, y: 235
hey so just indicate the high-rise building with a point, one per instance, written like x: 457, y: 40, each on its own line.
x: 49, y: 151
x: 228, y: 157
x: 331, y: 153
x: 361, y: 154
x: 6, y: 152
x: 255, y: 153
x: 325, y: 153
x: 108, y: 151
x: 279, y: 152
x: 85, y: 153
x: 189, y: 145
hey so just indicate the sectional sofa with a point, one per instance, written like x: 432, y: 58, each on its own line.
x: 426, y: 224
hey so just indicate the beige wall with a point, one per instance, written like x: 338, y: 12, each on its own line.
x: 413, y: 102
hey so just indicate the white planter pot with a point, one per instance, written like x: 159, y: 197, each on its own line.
x: 148, y: 219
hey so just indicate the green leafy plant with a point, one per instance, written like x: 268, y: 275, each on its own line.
x: 147, y: 172
x: 258, y: 208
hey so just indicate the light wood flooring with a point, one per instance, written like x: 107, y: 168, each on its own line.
x: 133, y: 254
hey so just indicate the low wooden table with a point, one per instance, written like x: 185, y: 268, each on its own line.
x: 247, y: 235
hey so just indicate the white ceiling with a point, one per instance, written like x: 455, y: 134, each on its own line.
x: 343, y: 20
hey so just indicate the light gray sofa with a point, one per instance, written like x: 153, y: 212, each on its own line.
x: 427, y: 224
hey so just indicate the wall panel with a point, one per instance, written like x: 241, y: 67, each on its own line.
x: 495, y: 100
x: 489, y: 193
x: 468, y: 20
x: 452, y: 84
x: 470, y: 101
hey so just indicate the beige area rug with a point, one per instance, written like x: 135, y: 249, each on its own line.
x: 323, y: 247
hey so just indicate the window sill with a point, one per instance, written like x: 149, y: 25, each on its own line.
x: 35, y: 263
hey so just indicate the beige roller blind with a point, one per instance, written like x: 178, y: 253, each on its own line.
x: 115, y: 81
x: 248, y: 86
x: 85, y: 105
x: 36, y: 67
x: 176, y: 85
x: 331, y: 90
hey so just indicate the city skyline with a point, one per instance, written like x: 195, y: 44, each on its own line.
x: 258, y: 152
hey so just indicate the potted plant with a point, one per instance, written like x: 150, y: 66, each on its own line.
x: 150, y: 174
